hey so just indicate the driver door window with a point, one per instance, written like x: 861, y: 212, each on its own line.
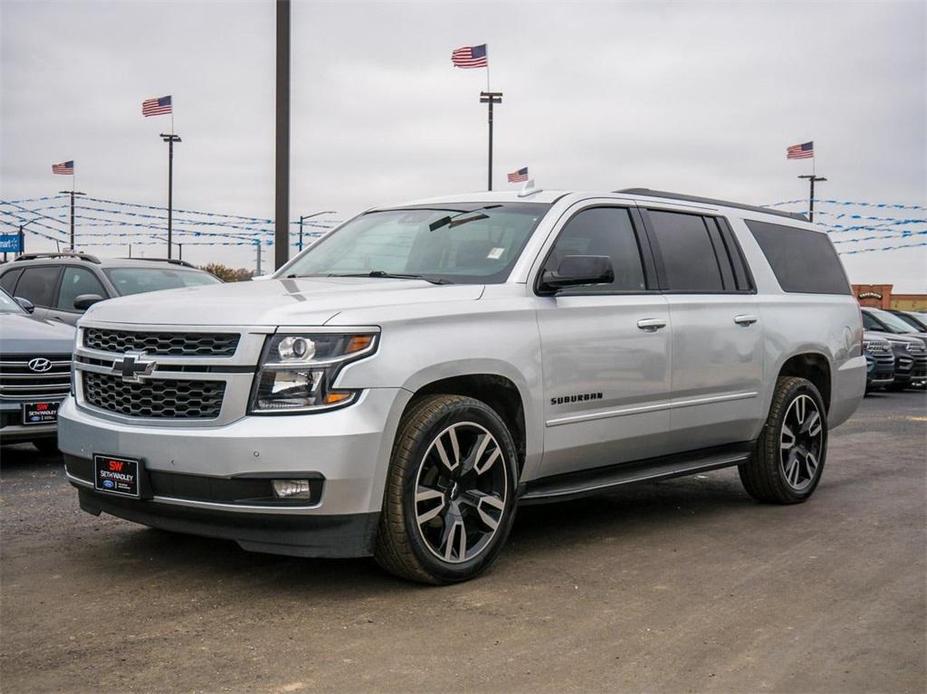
x: 74, y: 282
x: 604, y: 231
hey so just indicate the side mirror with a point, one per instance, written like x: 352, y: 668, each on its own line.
x: 26, y: 305
x: 576, y: 270
x: 85, y: 301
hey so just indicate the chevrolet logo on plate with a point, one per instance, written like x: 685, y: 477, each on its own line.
x: 133, y: 367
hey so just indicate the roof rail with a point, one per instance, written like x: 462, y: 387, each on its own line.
x: 711, y: 201
x: 172, y: 261
x: 61, y: 254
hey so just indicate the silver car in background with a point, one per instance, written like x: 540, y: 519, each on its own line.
x: 35, y: 375
x: 402, y: 386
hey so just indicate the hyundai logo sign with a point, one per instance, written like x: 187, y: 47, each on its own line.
x: 39, y: 364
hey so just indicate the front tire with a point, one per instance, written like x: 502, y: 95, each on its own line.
x: 450, y: 492
x: 788, y: 460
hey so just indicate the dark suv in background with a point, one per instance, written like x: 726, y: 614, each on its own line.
x: 910, y: 347
x: 61, y: 286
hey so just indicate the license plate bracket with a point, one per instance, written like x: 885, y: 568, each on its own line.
x: 42, y: 412
x: 113, y: 474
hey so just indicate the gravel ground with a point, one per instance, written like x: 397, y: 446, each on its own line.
x: 676, y: 586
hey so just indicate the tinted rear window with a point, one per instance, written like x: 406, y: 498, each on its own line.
x: 688, y: 254
x: 38, y: 284
x: 803, y: 261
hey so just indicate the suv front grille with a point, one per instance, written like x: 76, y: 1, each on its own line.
x: 19, y: 382
x: 880, y: 347
x: 156, y: 398
x: 163, y: 344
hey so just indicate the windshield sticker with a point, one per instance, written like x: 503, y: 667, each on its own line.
x: 495, y: 253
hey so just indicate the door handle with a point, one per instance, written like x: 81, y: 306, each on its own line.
x: 745, y: 320
x: 651, y: 324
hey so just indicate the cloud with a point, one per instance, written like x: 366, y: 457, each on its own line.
x: 699, y: 97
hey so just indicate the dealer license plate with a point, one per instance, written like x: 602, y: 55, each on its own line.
x: 116, y: 475
x: 40, y: 413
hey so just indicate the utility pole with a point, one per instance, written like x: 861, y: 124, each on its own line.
x: 72, y: 193
x: 170, y: 139
x: 282, y: 153
x: 811, y: 179
x: 309, y: 216
x: 490, y: 98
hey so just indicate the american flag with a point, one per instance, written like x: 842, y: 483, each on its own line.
x: 65, y: 168
x: 803, y: 151
x: 156, y: 107
x: 519, y: 176
x: 470, y: 57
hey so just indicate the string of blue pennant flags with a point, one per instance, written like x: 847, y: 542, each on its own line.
x: 881, y: 205
x: 883, y: 248
x: 903, y: 235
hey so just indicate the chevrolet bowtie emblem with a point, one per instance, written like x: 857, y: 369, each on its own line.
x: 133, y: 367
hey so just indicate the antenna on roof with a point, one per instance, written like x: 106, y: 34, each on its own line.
x: 528, y: 189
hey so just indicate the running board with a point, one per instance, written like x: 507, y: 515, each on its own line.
x: 597, y: 480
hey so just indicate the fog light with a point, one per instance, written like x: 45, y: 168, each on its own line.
x: 292, y: 489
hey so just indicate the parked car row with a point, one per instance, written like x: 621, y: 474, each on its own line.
x: 895, y: 346
x: 41, y: 297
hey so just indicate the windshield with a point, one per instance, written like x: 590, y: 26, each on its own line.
x: 913, y: 320
x: 892, y: 322
x: 137, y: 280
x: 461, y: 243
x: 7, y: 305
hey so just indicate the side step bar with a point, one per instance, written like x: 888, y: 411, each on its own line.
x: 597, y: 480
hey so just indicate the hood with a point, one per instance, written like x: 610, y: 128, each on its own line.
x: 870, y: 336
x: 904, y: 338
x: 298, y: 301
x: 22, y: 334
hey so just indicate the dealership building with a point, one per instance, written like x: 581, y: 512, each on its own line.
x: 881, y: 296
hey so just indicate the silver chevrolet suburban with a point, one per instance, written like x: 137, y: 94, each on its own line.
x: 402, y: 386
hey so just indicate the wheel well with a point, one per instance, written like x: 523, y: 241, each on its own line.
x: 813, y: 367
x: 498, y: 392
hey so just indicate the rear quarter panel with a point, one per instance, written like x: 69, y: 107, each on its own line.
x: 826, y: 324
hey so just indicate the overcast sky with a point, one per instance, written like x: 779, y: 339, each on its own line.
x: 694, y: 97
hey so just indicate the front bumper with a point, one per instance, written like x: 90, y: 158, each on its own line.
x: 347, y: 449
x: 333, y: 536
x: 12, y: 430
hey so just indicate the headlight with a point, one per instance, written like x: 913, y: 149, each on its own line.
x: 297, y: 371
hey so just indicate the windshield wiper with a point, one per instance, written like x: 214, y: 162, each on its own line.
x: 452, y: 221
x: 395, y: 276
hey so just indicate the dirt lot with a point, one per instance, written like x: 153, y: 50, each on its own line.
x: 684, y: 585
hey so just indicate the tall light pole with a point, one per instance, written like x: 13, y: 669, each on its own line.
x: 309, y: 216
x: 490, y: 98
x: 811, y: 179
x: 170, y: 139
x: 282, y: 150
x: 72, y: 193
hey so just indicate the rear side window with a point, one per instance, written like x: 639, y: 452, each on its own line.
x: 38, y: 285
x: 8, y: 281
x: 690, y: 262
x: 604, y: 231
x: 803, y: 261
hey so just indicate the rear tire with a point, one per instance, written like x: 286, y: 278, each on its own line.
x: 788, y: 460
x: 451, y: 489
